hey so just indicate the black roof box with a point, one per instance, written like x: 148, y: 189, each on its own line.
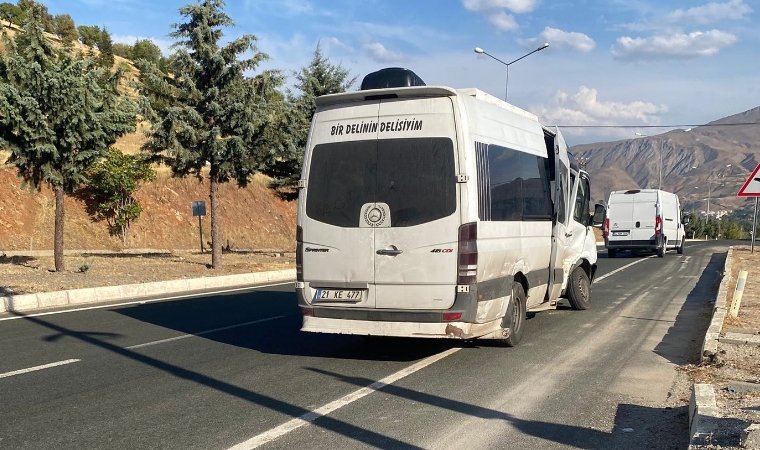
x: 390, y: 78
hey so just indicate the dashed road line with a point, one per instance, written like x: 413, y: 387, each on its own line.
x: 308, y: 418
x: 36, y: 368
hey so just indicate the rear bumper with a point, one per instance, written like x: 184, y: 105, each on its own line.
x: 628, y: 244
x: 449, y: 330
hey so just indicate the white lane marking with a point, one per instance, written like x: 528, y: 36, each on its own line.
x: 201, y: 333
x: 42, y: 367
x: 306, y: 419
x: 596, y: 280
x: 141, y: 302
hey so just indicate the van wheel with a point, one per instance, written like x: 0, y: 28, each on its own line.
x: 514, y: 319
x: 611, y: 253
x: 661, y: 252
x: 680, y: 249
x: 579, y: 289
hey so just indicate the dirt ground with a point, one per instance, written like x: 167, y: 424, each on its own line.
x: 736, y: 363
x: 24, y: 274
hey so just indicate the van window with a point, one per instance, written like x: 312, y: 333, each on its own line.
x: 581, y: 210
x: 415, y: 177
x: 515, y: 185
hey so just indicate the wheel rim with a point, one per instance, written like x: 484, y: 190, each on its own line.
x: 582, y: 287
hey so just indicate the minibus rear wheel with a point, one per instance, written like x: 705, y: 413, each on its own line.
x: 579, y: 290
x: 515, y: 317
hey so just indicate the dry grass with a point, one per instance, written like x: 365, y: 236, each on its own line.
x: 749, y: 313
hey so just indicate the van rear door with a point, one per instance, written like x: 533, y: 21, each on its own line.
x: 338, y: 253
x: 416, y: 196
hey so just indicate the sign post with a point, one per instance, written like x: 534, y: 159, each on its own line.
x: 751, y: 188
x: 199, y: 209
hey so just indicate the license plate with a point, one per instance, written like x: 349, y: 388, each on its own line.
x: 620, y: 233
x: 339, y: 295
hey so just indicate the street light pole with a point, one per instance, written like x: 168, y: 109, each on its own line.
x: 480, y: 51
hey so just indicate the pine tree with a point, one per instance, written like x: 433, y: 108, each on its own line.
x: 89, y: 35
x: 65, y: 29
x: 320, y: 77
x: 105, y: 47
x: 59, y: 113
x: 207, y: 111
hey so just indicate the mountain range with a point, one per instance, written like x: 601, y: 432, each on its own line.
x: 709, y: 161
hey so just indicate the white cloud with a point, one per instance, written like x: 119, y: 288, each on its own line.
x: 681, y: 19
x: 561, y: 39
x: 585, y: 108
x: 710, y: 13
x: 379, y: 53
x: 334, y: 42
x: 503, y: 21
x: 516, y: 6
x: 690, y: 45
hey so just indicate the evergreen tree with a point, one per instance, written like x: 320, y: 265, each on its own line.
x: 320, y: 77
x: 105, y: 47
x: 46, y: 19
x: 11, y: 13
x: 65, y: 29
x: 208, y: 111
x: 89, y: 35
x: 122, y: 50
x: 59, y: 113
x: 145, y: 49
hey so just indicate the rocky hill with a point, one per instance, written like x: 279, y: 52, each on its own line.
x: 712, y: 160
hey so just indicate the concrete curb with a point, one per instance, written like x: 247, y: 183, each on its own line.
x: 703, y: 408
x: 703, y: 414
x: 43, y: 300
x: 710, y: 344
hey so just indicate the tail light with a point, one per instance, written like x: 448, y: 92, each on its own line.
x: 658, y: 225
x: 468, y: 254
x: 606, y: 227
x: 299, y: 254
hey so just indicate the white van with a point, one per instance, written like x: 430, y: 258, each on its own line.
x: 433, y: 212
x: 644, y: 219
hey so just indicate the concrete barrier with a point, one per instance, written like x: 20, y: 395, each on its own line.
x: 710, y: 344
x: 703, y: 414
x: 44, y: 300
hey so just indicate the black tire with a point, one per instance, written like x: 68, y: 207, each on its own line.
x: 515, y: 317
x: 579, y: 289
x: 680, y: 249
x: 661, y: 252
x: 611, y: 253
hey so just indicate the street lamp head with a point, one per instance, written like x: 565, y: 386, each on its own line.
x: 479, y: 50
x: 543, y: 46
x: 642, y: 135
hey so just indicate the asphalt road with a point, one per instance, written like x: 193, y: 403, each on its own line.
x: 229, y: 369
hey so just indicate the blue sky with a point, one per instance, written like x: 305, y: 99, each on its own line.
x: 610, y: 62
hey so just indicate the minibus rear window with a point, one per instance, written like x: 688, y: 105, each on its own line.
x: 415, y: 177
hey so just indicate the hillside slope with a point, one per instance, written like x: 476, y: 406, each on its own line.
x: 252, y: 218
x: 704, y: 161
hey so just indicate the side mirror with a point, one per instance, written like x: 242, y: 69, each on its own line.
x: 600, y: 213
x: 685, y: 220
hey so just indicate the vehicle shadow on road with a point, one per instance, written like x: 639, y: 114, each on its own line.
x: 634, y: 426
x: 340, y: 427
x: 281, y: 336
x: 697, y: 309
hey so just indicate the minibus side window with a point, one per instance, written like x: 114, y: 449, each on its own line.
x: 512, y: 185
